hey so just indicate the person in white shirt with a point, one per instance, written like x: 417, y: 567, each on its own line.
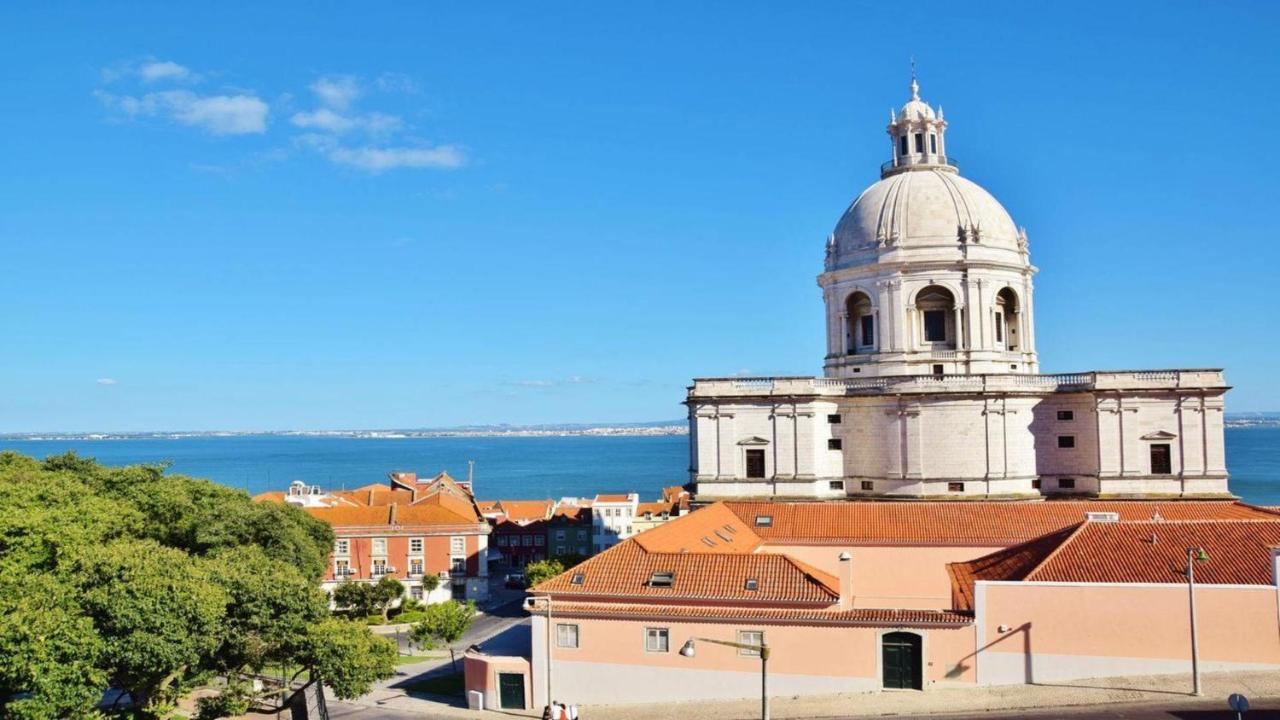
x: 573, y: 712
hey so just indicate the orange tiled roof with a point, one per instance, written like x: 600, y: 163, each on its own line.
x: 623, y: 572
x: 712, y: 529
x: 1131, y: 552
x: 272, y: 496
x: 869, y: 616
x: 654, y: 508
x: 526, y: 510
x: 959, y: 523
x: 614, y: 498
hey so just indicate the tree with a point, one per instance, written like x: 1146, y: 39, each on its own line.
x: 354, y: 597
x: 131, y: 578
x: 430, y: 583
x: 541, y: 571
x: 385, y: 593
x: 445, y: 623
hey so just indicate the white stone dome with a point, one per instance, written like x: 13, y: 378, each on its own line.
x: 922, y: 207
x: 915, y: 110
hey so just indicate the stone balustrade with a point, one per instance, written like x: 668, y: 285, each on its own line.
x: 916, y: 384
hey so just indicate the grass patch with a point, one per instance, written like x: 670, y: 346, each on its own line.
x: 448, y: 685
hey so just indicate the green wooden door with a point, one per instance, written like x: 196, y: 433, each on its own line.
x: 511, y: 691
x: 901, y: 661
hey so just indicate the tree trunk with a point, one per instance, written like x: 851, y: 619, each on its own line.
x: 453, y: 661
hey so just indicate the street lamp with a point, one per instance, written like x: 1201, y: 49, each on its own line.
x: 1194, y: 555
x: 762, y: 649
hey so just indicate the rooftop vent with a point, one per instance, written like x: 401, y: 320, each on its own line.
x: 724, y: 536
x: 1102, y: 517
x: 764, y: 521
x: 730, y: 527
x: 663, y: 579
x: 752, y: 584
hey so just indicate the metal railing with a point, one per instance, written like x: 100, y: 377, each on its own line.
x: 917, y: 160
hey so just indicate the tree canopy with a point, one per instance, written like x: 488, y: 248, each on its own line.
x: 131, y: 578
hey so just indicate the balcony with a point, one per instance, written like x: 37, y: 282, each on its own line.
x: 905, y: 162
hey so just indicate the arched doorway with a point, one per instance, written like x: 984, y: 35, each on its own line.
x: 900, y: 661
x: 860, y: 324
x: 937, y: 308
x: 1006, y: 320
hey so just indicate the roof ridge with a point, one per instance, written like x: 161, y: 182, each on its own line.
x: 1053, y: 553
x: 826, y: 580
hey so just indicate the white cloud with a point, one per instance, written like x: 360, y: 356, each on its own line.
x: 535, y: 383
x: 323, y: 119
x: 336, y: 91
x: 107, y: 381
x: 217, y: 114
x: 163, y: 70
x: 378, y: 159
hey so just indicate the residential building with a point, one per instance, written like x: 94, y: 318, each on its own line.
x: 520, y: 530
x: 569, y: 531
x: 931, y: 384
x: 858, y: 596
x: 613, y: 519
x: 408, y: 529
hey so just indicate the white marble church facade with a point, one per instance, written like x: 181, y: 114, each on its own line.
x: 932, y: 384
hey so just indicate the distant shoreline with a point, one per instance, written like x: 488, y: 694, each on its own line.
x: 645, y: 430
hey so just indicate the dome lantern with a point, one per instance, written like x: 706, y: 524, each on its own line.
x: 918, y: 136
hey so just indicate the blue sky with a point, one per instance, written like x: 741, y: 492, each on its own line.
x: 331, y: 216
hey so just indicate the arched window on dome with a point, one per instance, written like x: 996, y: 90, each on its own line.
x: 860, y: 324
x: 1006, y: 320
x: 937, y: 308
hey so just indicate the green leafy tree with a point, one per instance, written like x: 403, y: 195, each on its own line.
x: 430, y: 583
x: 385, y: 593
x: 356, y: 598
x: 541, y: 571
x: 347, y: 656
x: 445, y: 623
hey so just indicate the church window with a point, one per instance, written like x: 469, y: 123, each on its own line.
x: 937, y: 370
x: 755, y: 463
x: 935, y: 326
x: 1161, y: 459
x: 836, y: 485
x: 999, y: 328
x: 1066, y: 442
x: 868, y: 330
x: 1066, y: 414
x: 955, y: 487
x: 933, y: 143
x: 902, y: 145
x: 1066, y: 483
x: 835, y: 444
x: 834, y: 418
x: 868, y: 485
x: 919, y: 142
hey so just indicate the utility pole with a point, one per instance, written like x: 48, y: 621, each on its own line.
x: 1194, y: 555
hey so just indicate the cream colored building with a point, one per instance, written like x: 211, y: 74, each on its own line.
x: 931, y: 384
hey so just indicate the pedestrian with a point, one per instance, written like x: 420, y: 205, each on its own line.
x: 557, y: 710
x: 573, y: 711
x: 546, y: 712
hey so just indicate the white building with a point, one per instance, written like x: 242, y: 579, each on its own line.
x: 612, y: 519
x: 931, y: 384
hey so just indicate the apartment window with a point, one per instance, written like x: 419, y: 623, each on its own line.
x: 559, y: 550
x: 955, y: 487
x: 559, y: 534
x: 379, y: 567
x: 664, y: 579
x: 566, y: 635
x: 750, y: 637
x: 458, y: 566
x: 415, y: 566
x: 342, y: 547
x: 528, y: 541
x: 458, y: 545
x: 502, y: 541
x: 539, y: 540
x: 764, y: 521
x: 1161, y: 459
x: 379, y: 546
x: 834, y: 444
x: 657, y: 640
x: 1066, y: 415
x: 834, y: 419
x: 1066, y: 442
x: 415, y: 546
x: 415, y: 592
x: 1066, y: 483
x: 868, y: 485
x: 935, y: 325
x: 836, y: 485
x: 868, y: 327
x: 755, y: 463
x: 341, y: 568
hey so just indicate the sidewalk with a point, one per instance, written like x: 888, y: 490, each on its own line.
x: 1139, y: 691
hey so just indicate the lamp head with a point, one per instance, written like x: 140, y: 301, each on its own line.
x: 687, y: 650
x: 1202, y: 556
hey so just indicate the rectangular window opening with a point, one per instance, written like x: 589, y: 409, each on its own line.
x: 1066, y: 483
x: 764, y: 521
x: 1161, y: 459
x: 1066, y: 415
x: 919, y: 142
x: 955, y: 487
x: 1066, y: 442
x: 566, y: 635
x: 836, y: 485
x: 935, y: 325
x: 752, y: 584
x: 657, y: 640
x: 868, y: 327
x: 750, y: 637
x: 868, y: 485
x: 662, y: 579
x: 835, y: 444
x: 755, y: 463
x: 834, y: 419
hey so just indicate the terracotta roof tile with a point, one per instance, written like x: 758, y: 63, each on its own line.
x: 526, y: 510
x: 1240, y: 553
x: 614, y: 498
x: 712, y: 529
x: 869, y: 616
x: 959, y: 523
x: 624, y: 572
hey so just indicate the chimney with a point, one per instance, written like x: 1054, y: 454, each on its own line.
x: 846, y: 581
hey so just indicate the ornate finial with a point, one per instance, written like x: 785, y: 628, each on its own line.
x: 939, y: 112
x: 915, y: 86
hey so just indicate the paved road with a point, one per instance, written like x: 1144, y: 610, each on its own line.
x: 1181, y: 709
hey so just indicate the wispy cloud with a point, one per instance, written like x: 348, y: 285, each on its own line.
x: 571, y: 380
x: 380, y: 159
x: 163, y: 70
x: 107, y: 381
x: 337, y: 91
x: 217, y: 114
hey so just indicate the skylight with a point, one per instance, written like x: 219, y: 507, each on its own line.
x: 577, y: 579
x: 662, y: 579
x: 752, y: 584
x: 764, y: 521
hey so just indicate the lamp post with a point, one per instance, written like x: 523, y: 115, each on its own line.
x: 1194, y: 555
x: 762, y: 649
